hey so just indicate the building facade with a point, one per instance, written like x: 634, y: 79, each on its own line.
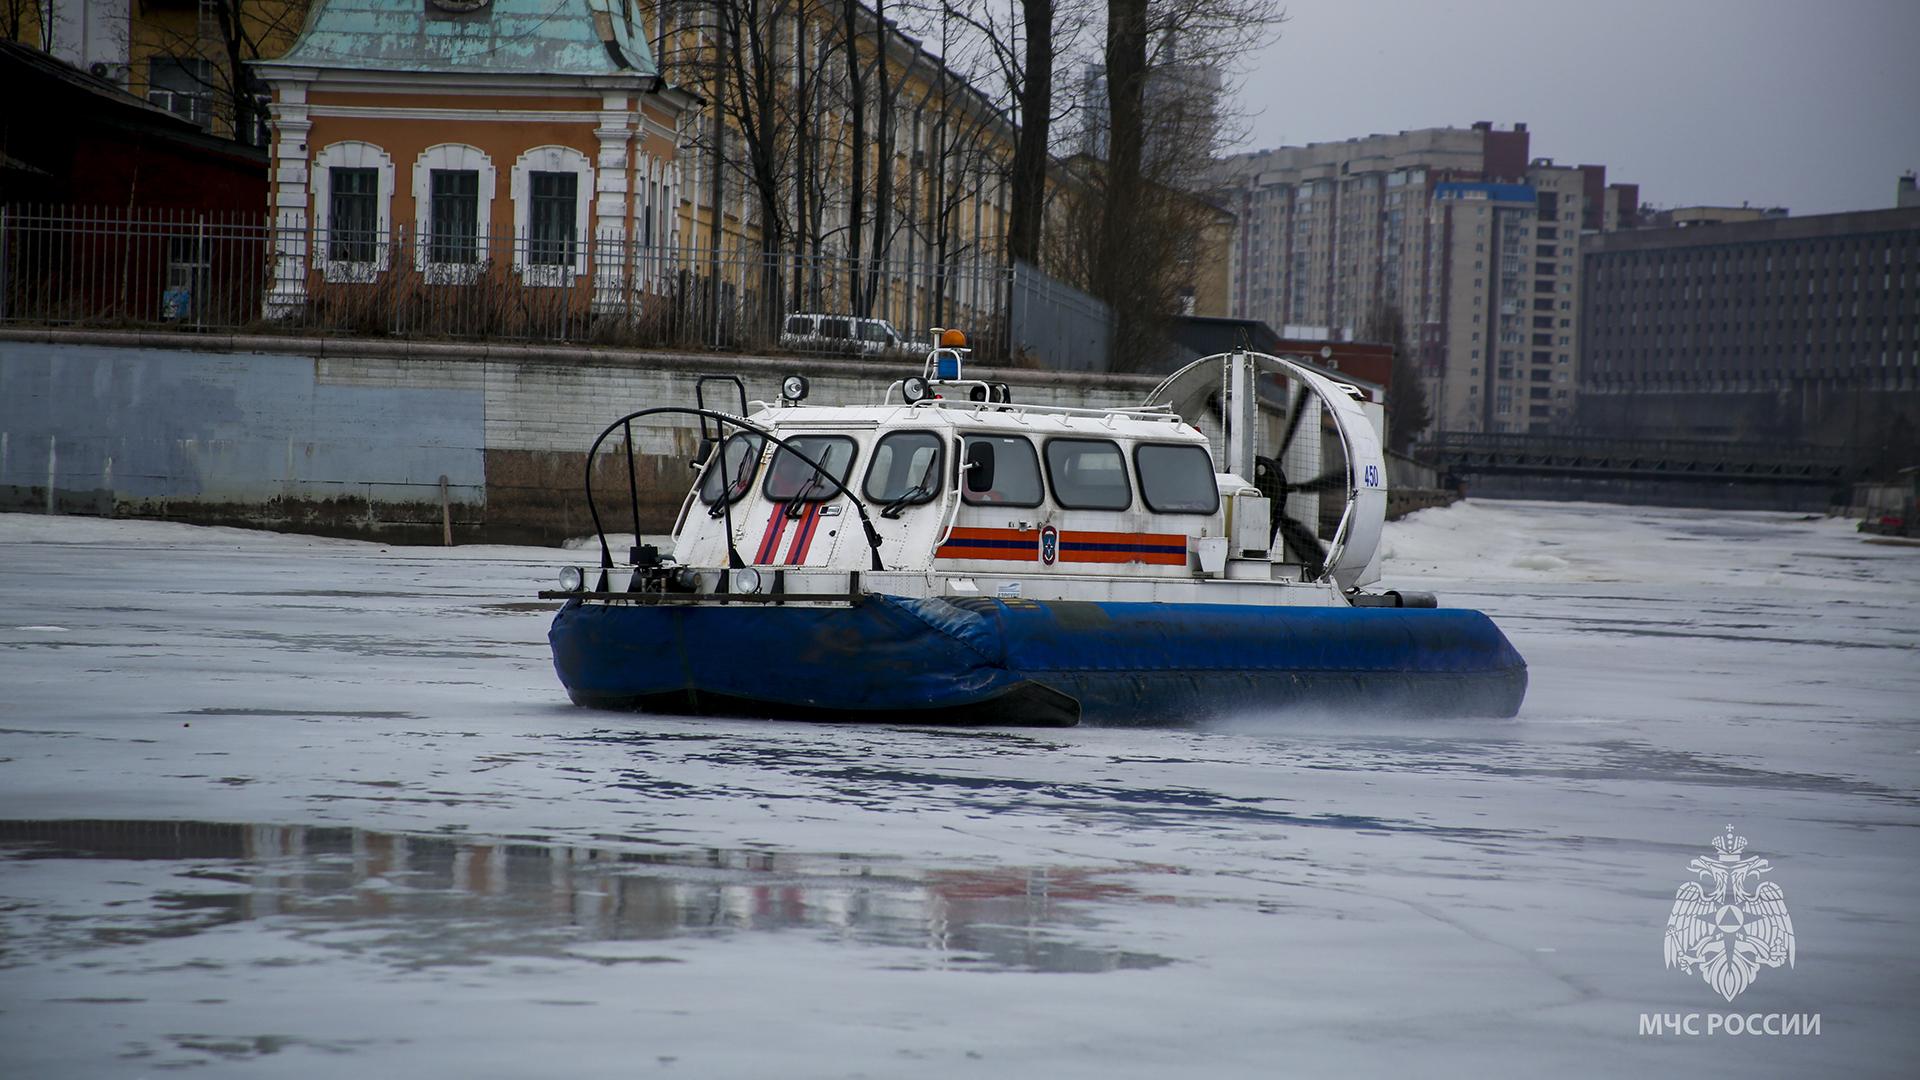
x: 436, y: 142
x: 1780, y: 328
x: 1473, y: 241
x: 901, y: 171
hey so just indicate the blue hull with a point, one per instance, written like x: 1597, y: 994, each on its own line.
x: 993, y: 661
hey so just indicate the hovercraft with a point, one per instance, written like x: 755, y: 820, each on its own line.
x: 952, y: 555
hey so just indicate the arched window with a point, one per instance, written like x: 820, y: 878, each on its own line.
x: 552, y: 196
x: 453, y: 186
x: 352, y: 210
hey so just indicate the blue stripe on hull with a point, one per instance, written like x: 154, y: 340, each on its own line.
x: 1123, y: 663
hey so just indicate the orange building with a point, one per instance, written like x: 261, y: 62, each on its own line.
x: 419, y: 143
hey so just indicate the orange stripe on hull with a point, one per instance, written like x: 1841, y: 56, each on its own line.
x: 1023, y: 545
x: 1151, y: 558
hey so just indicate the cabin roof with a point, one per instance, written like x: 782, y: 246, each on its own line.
x: 969, y: 417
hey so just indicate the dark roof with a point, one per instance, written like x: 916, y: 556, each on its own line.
x: 1205, y: 335
x: 34, y: 64
x: 67, y: 96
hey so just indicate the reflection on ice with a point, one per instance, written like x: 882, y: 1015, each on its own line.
x: 422, y: 901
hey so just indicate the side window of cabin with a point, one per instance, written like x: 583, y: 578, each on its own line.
x: 1176, y: 479
x: 1014, y: 469
x: 906, y: 466
x: 741, y: 458
x: 1088, y: 474
x: 790, y: 477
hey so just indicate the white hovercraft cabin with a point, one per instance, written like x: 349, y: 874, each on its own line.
x: 974, y: 494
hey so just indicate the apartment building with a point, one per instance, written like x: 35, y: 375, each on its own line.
x: 1775, y: 328
x: 1473, y: 241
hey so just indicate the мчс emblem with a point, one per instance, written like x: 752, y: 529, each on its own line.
x: 1729, y: 924
x: 1049, y: 545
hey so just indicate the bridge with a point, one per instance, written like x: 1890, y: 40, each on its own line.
x: 1701, y: 461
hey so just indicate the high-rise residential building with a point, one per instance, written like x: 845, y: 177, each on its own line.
x: 1471, y: 240
x: 1781, y: 328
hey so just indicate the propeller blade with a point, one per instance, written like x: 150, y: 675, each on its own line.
x: 1304, y: 545
x: 1270, y: 481
x: 1295, y: 414
x: 1330, y: 480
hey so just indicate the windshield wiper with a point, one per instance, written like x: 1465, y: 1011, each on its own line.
x: 797, y: 505
x: 917, y: 493
x: 913, y: 494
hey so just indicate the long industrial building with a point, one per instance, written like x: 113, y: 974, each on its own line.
x: 1787, y: 328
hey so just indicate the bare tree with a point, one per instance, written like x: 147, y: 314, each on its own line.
x: 1016, y: 51
x: 856, y: 100
x: 1032, y: 151
x: 1167, y: 75
x: 19, y: 16
x: 1116, y: 277
x: 1407, y: 412
x: 951, y: 168
x: 227, y: 35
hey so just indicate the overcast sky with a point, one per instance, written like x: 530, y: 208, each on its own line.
x: 1809, y: 104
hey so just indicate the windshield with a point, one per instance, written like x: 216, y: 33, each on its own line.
x: 742, y: 458
x: 905, y: 463
x: 790, y: 477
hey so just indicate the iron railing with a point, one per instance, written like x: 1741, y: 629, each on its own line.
x: 195, y: 271
x: 1463, y: 452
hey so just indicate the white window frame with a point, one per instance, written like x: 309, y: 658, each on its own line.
x: 551, y: 159
x: 352, y: 154
x: 453, y: 157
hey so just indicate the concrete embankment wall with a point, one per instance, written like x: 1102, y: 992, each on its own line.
x: 354, y: 437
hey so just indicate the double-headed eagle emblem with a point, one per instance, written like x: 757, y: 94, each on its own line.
x: 1729, y: 924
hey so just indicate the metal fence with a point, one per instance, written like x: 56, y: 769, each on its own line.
x: 200, y: 271
x: 1058, y: 326
x: 1466, y: 452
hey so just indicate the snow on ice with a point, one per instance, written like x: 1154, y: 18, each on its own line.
x: 285, y: 806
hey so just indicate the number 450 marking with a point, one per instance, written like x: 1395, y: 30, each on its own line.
x: 1371, y: 476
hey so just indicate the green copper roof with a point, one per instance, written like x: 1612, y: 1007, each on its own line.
x: 496, y: 37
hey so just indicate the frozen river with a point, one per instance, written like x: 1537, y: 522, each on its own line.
x: 278, y: 806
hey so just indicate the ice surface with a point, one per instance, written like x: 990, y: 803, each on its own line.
x: 283, y: 806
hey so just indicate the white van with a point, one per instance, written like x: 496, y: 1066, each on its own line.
x: 843, y: 334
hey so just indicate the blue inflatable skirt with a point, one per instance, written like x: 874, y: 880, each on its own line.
x: 982, y: 660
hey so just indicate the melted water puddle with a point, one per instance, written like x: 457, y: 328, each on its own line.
x: 422, y: 901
